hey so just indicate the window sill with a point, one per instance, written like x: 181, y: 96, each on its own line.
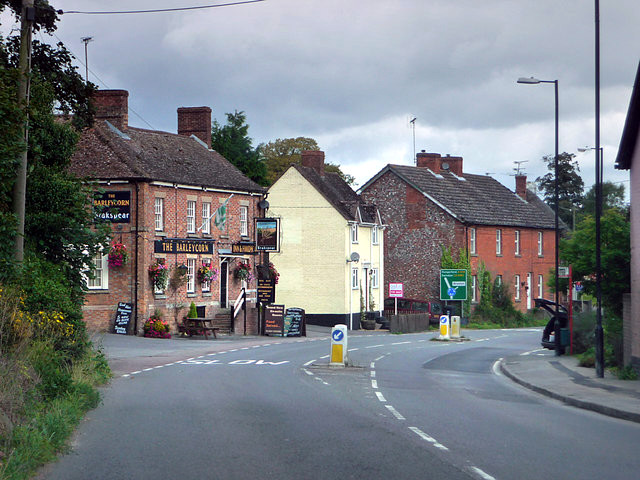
x: 498, y: 255
x: 518, y: 255
x: 159, y: 296
x: 192, y: 235
x: 161, y: 234
x: 98, y: 290
x: 191, y: 295
x: 206, y: 294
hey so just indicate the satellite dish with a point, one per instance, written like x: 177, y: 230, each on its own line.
x: 263, y: 204
x: 355, y: 257
x: 445, y: 166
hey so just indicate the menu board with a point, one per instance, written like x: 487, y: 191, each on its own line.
x: 274, y: 320
x: 123, y: 317
x: 294, y: 322
x: 266, y: 291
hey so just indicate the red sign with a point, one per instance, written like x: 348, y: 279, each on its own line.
x: 396, y: 290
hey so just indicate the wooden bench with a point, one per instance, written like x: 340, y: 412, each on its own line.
x: 198, y: 326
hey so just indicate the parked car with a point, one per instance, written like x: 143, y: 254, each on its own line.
x: 409, y: 305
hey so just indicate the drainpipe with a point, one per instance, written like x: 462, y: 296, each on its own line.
x: 135, y: 275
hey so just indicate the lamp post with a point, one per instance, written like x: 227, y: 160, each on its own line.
x: 599, y: 331
x: 535, y: 81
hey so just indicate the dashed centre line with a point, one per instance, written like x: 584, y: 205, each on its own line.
x: 395, y: 412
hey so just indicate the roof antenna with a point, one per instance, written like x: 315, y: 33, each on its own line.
x: 86, y: 40
x: 413, y: 126
x: 519, y: 169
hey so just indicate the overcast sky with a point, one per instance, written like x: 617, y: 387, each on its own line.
x: 352, y: 73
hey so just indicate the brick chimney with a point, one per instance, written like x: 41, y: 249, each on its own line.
x: 113, y: 106
x: 195, y: 121
x: 455, y: 164
x: 428, y: 160
x: 313, y: 159
x: 521, y: 186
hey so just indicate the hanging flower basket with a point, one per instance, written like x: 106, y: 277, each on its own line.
x: 273, y: 273
x: 207, y: 273
x: 118, y: 255
x: 159, y: 274
x: 243, y: 271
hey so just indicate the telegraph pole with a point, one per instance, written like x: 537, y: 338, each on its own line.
x: 24, y: 66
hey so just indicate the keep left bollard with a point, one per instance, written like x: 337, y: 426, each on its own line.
x: 455, y: 327
x: 444, y: 327
x: 338, y: 356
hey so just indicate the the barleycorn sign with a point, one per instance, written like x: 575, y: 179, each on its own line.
x: 114, y: 207
x: 184, y: 245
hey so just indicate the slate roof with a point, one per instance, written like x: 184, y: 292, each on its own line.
x: 475, y: 199
x: 339, y: 194
x: 104, y: 152
x: 631, y: 131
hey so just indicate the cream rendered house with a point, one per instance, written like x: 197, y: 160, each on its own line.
x: 331, y: 247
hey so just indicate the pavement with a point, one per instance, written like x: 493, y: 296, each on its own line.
x: 541, y: 371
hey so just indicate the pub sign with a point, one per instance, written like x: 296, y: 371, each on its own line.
x: 114, y: 207
x: 184, y: 245
x: 268, y: 234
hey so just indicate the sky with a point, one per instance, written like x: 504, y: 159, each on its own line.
x: 352, y: 74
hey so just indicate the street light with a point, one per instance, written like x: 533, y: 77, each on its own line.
x: 599, y: 331
x: 535, y: 81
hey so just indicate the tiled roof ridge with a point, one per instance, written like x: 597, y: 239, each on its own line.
x: 117, y: 147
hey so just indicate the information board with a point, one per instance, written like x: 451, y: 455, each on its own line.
x: 453, y: 284
x: 294, y: 324
x: 274, y: 320
x: 123, y: 317
x: 266, y: 291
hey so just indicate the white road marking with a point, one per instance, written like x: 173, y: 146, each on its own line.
x: 495, y: 368
x: 326, y: 356
x: 374, y: 346
x: 400, y: 343
x: 309, y: 363
x: 353, y: 349
x: 379, y: 358
x: 374, y: 384
x: 307, y: 371
x: 532, y: 351
x: 126, y: 375
x: 136, y: 372
x: 372, y: 365
x: 146, y: 369
x: 482, y: 474
x: 380, y: 397
x: 373, y: 373
x: 395, y: 412
x: 427, y: 438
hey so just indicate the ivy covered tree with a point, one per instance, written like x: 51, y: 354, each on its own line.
x: 570, y: 185
x: 233, y: 143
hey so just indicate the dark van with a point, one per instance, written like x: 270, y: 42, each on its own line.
x: 409, y: 305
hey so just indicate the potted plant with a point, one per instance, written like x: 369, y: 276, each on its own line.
x: 159, y: 274
x: 207, y: 273
x: 366, y: 322
x: 243, y: 271
x: 273, y: 273
x: 155, y: 327
x: 118, y: 255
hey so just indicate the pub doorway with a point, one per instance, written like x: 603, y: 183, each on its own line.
x: 224, y: 279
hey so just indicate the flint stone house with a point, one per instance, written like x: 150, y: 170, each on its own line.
x: 163, y: 189
x: 435, y: 204
x: 628, y: 157
x: 331, y: 260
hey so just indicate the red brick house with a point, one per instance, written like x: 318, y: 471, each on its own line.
x: 436, y: 204
x: 160, y: 191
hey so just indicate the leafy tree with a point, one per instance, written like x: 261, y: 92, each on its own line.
x: 612, y: 197
x: 570, y: 185
x: 281, y: 153
x: 233, y: 143
x: 579, y: 250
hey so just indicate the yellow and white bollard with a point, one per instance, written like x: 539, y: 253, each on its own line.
x: 444, y: 327
x: 338, y: 356
x: 455, y: 327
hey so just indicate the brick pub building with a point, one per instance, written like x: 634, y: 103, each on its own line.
x: 436, y: 204
x: 162, y: 189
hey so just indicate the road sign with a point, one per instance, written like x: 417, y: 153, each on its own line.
x: 453, y: 284
x: 396, y: 290
x: 579, y: 286
x: 337, y: 335
x: 563, y: 272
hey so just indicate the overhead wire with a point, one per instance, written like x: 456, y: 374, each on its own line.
x: 160, y: 10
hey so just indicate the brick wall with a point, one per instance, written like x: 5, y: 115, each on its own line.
x: 100, y: 305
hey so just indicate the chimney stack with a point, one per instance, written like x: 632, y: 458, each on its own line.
x: 195, y: 121
x: 313, y: 159
x: 428, y: 160
x: 521, y: 186
x: 113, y: 106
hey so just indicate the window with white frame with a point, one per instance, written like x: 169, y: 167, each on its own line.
x: 498, y: 242
x: 158, y: 209
x: 100, y: 265
x: 374, y: 235
x: 517, y: 232
x: 474, y: 288
x: 191, y: 275
x: 374, y: 278
x: 472, y: 241
x: 354, y: 278
x: 191, y: 216
x: 540, y: 286
x: 206, y: 286
x: 244, y: 221
x: 517, y: 282
x: 206, y: 217
x: 159, y: 291
x: 540, y: 243
x: 354, y: 233
x: 499, y: 279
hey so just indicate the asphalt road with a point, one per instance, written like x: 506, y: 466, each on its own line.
x: 407, y: 408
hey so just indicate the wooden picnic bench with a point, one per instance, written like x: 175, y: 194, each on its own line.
x: 198, y: 326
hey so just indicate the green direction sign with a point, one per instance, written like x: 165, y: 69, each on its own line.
x: 453, y: 284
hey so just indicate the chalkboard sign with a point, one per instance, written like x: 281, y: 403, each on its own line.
x: 123, y: 317
x: 266, y: 291
x: 295, y: 325
x: 274, y: 320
